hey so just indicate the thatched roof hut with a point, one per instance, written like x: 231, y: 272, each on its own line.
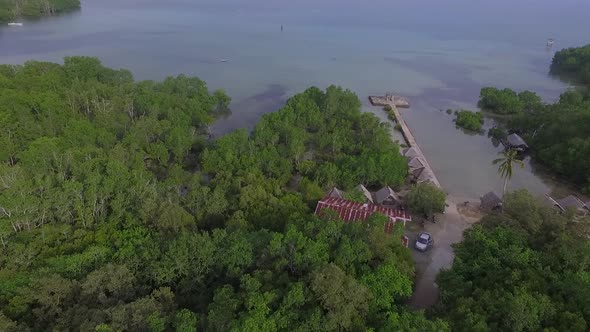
x: 552, y: 203
x: 424, y: 176
x: 386, y: 196
x: 335, y: 192
x: 513, y: 141
x: 365, y: 192
x: 415, y: 163
x: 490, y: 202
x: 572, y: 202
x: 410, y: 153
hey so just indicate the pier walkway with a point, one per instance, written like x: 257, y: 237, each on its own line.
x: 411, y: 142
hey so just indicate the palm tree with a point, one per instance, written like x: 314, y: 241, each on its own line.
x: 505, y: 168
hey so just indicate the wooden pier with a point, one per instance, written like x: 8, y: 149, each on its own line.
x: 389, y: 99
x: 407, y: 133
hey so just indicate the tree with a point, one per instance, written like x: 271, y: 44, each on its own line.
x: 426, y: 199
x: 504, y: 274
x: 469, y: 120
x: 117, y: 215
x: 504, y: 101
x: 505, y: 164
x: 573, y: 63
x: 185, y: 321
x: 557, y: 135
x: 343, y: 298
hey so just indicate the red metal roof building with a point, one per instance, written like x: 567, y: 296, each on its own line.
x: 351, y: 211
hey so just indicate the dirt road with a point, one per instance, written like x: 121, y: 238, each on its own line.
x: 447, y: 230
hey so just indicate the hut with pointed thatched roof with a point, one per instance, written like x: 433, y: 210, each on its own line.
x: 572, y: 202
x: 415, y: 163
x: 515, y: 142
x: 550, y: 202
x: 335, y: 192
x: 387, y: 197
x: 365, y: 192
x: 410, y: 153
x: 490, y: 202
x: 421, y: 175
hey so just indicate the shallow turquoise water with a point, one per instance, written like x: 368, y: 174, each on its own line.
x: 437, y: 53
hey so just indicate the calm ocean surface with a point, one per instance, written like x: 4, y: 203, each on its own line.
x: 437, y: 53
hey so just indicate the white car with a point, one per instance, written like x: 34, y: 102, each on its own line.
x: 424, y: 241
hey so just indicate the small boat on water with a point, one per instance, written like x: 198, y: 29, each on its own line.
x: 550, y: 42
x: 222, y: 60
x: 18, y: 24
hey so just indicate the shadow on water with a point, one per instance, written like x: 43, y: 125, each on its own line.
x: 247, y: 112
x: 459, y: 85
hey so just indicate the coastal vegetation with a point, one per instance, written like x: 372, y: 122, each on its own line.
x: 426, y: 199
x: 117, y: 213
x: 390, y: 113
x: 507, y: 101
x: 559, y: 135
x: 525, y: 269
x: 573, y: 63
x: 469, y: 120
x: 14, y: 9
x: 497, y: 133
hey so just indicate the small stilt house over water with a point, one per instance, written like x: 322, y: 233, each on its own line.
x: 490, y: 202
x: 515, y: 142
x: 420, y: 175
x: 410, y: 153
x: 415, y: 163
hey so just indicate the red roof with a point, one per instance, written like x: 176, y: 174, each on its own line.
x: 351, y: 211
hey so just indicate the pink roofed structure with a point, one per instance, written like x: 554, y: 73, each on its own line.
x: 351, y: 211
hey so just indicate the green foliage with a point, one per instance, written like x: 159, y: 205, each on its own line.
x: 469, y: 120
x: 10, y: 9
x: 355, y: 195
x: 573, y: 63
x: 185, y: 321
x: 558, y: 135
x: 530, y: 100
x: 497, y: 133
x: 116, y: 213
x: 426, y: 199
x: 390, y: 112
x: 524, y: 270
x: 499, y: 101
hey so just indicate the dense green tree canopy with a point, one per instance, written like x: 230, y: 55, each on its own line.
x: 117, y: 213
x: 11, y: 9
x: 573, y: 63
x: 559, y: 135
x: 507, y: 101
x: 469, y: 120
x: 523, y: 270
x: 426, y: 199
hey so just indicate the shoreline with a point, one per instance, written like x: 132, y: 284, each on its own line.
x: 411, y: 143
x: 447, y: 231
